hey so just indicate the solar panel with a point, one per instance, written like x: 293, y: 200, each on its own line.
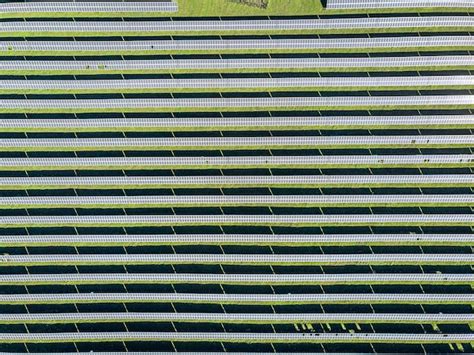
x: 354, y: 161
x: 241, y: 200
x: 237, y: 259
x: 207, y: 124
x: 388, y: 4
x: 237, y: 239
x: 239, y: 220
x: 374, y: 44
x: 231, y: 84
x: 148, y: 28
x: 243, y: 299
x: 234, y: 104
x: 244, y: 279
x: 98, y: 144
x: 229, y: 65
x: 137, y: 182
x: 113, y: 7
x: 238, y: 337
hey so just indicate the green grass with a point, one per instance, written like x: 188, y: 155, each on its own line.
x: 11, y: 51
x: 210, y: 165
x: 103, y: 70
x: 157, y: 147
x: 193, y: 8
x: 190, y: 319
x: 286, y: 243
x: 386, y: 203
x: 243, y: 301
x: 172, y: 280
x: 259, y: 262
x: 236, y: 88
x: 316, y: 125
x: 234, y: 185
x: 228, y: 109
x: 189, y: 32
x: 311, y: 338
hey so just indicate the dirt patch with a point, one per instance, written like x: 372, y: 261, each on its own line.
x: 262, y: 4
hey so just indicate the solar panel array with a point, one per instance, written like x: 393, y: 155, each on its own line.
x: 104, y: 8
x: 397, y: 4
x: 250, y: 184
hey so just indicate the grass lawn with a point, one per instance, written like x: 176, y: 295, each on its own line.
x: 228, y: 8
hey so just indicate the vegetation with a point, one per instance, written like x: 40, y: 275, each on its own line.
x: 228, y: 8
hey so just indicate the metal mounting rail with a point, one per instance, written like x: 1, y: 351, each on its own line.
x: 244, y: 318
x: 236, y: 239
x: 244, y: 299
x: 240, y: 143
x: 235, y: 84
x: 236, y: 337
x: 225, y: 65
x: 238, y: 220
x: 239, y: 279
x: 236, y: 104
x: 197, y: 201
x: 235, y: 123
x: 147, y: 182
x: 241, y: 162
x: 391, y: 44
x: 392, y: 4
x: 109, y: 28
x: 237, y: 259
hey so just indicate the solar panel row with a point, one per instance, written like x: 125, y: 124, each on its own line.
x: 238, y: 279
x: 238, y: 337
x: 238, y: 239
x: 236, y: 104
x: 138, y: 47
x: 45, y: 7
x: 234, y: 84
x: 397, y: 4
x: 209, y: 124
x: 349, y: 161
x: 239, y: 220
x: 227, y: 143
x: 45, y: 28
x: 241, y: 200
x: 84, y: 67
x: 242, y: 299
